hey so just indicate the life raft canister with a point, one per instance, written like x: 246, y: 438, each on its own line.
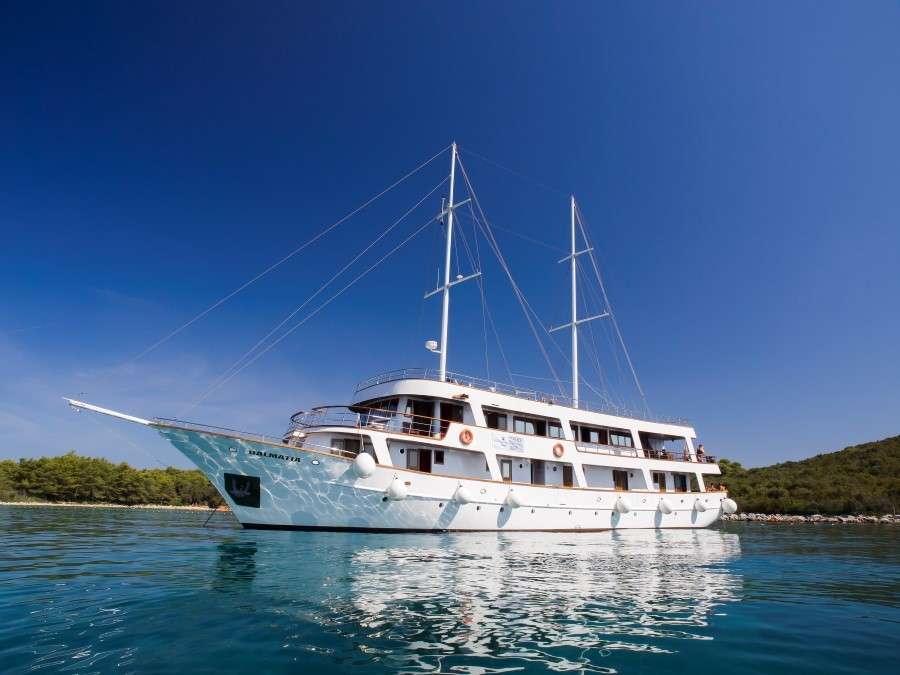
x: 465, y: 436
x: 558, y: 450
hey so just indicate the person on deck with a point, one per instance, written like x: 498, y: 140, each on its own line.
x: 701, y: 453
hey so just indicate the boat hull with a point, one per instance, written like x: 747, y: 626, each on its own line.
x: 272, y: 486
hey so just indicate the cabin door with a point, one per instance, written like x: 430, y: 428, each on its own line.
x: 568, y: 480
x: 425, y: 461
x: 538, y: 476
x: 506, y: 470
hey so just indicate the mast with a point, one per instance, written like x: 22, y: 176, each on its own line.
x: 441, y: 349
x: 574, y: 266
x: 445, y: 312
x: 573, y: 261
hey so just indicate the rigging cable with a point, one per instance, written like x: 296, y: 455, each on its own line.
x: 297, y: 325
x: 280, y: 262
x: 492, y: 241
x: 519, y: 174
x: 610, y: 310
x: 215, y: 385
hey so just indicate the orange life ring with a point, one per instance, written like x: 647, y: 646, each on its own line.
x: 465, y: 436
x: 558, y: 450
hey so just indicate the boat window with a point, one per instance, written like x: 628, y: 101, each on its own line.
x: 620, y: 479
x: 659, y: 481
x: 621, y: 439
x: 495, y: 420
x: 529, y: 425
x: 419, y: 415
x: 594, y: 435
x: 384, y: 405
x: 450, y: 412
x: 349, y: 446
x: 377, y: 413
x: 438, y: 456
x: 680, y: 480
x: 554, y: 430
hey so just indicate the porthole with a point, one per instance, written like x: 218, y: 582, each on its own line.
x: 570, y: 513
x: 595, y: 513
x: 441, y: 505
x: 402, y: 451
x: 478, y: 508
x: 554, y: 468
x: 532, y: 510
x: 384, y: 499
x: 316, y: 462
x: 501, y: 509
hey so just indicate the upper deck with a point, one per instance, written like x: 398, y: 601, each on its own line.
x: 494, y: 387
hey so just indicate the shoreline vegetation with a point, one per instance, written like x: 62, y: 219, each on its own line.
x: 71, y: 478
x: 863, y: 480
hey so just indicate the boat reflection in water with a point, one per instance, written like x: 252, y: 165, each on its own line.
x: 462, y: 601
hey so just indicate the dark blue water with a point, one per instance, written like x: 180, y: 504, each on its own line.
x: 113, y: 590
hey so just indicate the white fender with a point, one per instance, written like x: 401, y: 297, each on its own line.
x: 729, y: 506
x: 699, y: 506
x: 462, y: 495
x: 514, y: 500
x: 364, y: 465
x: 664, y: 506
x: 621, y: 506
x: 396, y: 490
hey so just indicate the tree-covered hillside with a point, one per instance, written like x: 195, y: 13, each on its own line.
x: 860, y: 479
x: 70, y: 478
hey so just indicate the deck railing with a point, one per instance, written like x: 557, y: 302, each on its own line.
x: 512, y: 390
x: 399, y: 422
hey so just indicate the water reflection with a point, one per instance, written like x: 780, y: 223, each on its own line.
x: 486, y: 602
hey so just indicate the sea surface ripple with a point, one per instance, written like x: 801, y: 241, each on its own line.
x: 141, y: 591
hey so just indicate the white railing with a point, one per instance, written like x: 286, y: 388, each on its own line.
x: 511, y: 390
x: 600, y: 449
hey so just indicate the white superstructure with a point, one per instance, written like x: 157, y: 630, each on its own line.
x: 432, y: 450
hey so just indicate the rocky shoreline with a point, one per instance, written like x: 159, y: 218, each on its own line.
x: 780, y: 518
x: 115, y: 506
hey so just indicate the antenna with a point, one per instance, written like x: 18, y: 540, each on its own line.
x: 572, y: 258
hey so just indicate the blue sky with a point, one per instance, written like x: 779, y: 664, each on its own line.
x: 737, y: 164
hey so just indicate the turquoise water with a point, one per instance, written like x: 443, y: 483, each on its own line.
x: 114, y: 590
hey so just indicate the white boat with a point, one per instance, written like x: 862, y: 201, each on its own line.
x: 423, y: 450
